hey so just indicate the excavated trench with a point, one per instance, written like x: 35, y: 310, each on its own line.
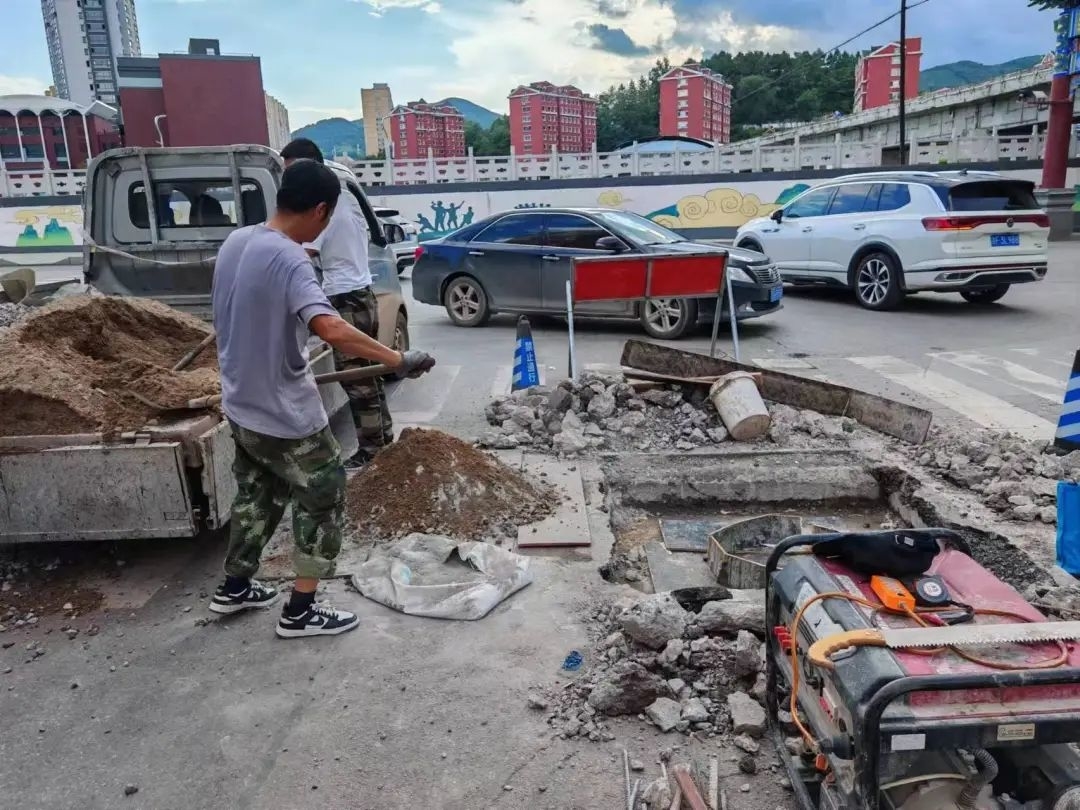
x: 663, y: 508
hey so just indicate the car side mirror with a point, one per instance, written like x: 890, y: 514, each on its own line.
x: 777, y: 215
x: 610, y: 243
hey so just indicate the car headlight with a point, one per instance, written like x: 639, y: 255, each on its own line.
x: 738, y: 274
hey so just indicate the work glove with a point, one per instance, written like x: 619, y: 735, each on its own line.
x: 414, y: 364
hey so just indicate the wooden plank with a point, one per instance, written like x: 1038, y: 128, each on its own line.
x: 219, y: 484
x: 691, y: 794
x: 884, y: 415
x: 568, y: 527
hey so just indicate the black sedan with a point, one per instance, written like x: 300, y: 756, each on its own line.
x: 519, y: 261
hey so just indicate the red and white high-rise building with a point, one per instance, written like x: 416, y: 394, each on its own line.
x: 877, y: 75
x: 418, y: 127
x: 695, y: 102
x: 543, y: 115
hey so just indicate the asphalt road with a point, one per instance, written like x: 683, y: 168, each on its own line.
x: 1002, y: 366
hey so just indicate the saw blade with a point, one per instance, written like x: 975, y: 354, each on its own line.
x: 980, y: 635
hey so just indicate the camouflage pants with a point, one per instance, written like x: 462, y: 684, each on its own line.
x: 367, y: 399
x: 270, y: 475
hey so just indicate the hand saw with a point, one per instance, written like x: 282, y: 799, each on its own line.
x: 971, y: 635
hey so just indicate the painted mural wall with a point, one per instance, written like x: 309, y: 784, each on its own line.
x: 47, y: 233
x: 706, y: 210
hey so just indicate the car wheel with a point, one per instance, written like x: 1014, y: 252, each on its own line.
x: 466, y: 302
x: 668, y: 318
x: 986, y: 295
x: 877, y: 282
x: 751, y: 244
x: 401, y: 333
x: 402, y: 267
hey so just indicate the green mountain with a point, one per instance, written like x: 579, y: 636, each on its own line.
x: 337, y: 136
x: 481, y: 116
x: 957, y: 74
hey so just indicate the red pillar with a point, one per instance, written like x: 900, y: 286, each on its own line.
x: 1058, y: 133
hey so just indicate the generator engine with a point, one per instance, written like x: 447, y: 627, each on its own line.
x: 990, y: 726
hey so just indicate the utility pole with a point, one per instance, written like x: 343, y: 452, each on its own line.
x: 903, y: 83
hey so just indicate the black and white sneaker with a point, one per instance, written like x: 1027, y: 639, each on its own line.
x: 256, y: 595
x: 318, y: 620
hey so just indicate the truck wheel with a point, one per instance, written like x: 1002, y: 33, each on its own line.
x: 466, y: 302
x: 401, y: 333
x: 986, y: 295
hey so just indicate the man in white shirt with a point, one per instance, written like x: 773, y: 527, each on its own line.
x: 342, y: 253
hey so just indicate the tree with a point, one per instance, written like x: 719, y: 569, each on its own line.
x: 495, y: 140
x: 1055, y: 5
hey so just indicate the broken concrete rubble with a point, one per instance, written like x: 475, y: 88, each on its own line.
x: 654, y: 621
x: 665, y: 714
x: 731, y: 616
x: 747, y: 716
x: 628, y: 689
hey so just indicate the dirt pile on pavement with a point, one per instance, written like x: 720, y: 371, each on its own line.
x: 433, y: 483
x: 72, y: 366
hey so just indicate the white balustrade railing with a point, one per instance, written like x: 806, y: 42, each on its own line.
x: 730, y: 159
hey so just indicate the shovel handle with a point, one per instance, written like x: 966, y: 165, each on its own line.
x: 350, y: 375
x: 189, y: 358
x: 821, y: 651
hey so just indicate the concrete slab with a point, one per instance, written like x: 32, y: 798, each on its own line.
x: 671, y: 571
x: 689, y: 534
x: 568, y: 527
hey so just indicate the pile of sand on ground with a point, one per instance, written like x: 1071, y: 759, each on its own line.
x: 71, y: 367
x: 431, y: 482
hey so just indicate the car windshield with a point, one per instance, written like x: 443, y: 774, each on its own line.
x: 639, y: 229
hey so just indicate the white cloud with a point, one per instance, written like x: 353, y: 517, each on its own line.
x: 498, y: 44
x: 22, y: 86
x: 380, y: 7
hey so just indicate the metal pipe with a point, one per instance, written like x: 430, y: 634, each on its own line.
x: 903, y: 83
x: 734, y: 320
x: 157, y: 126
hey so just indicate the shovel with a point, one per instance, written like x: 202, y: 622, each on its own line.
x: 202, y: 403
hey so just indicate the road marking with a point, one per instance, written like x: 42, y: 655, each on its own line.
x: 500, y: 386
x: 979, y: 407
x: 1007, y: 372
x: 781, y: 363
x: 1039, y: 354
x: 426, y: 396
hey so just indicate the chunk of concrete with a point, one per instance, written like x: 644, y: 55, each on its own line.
x: 731, y: 616
x: 747, y: 716
x: 665, y: 714
x: 628, y: 688
x: 694, y: 711
x: 747, y: 654
x: 655, y: 621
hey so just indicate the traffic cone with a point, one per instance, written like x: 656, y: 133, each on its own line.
x: 526, y: 373
x: 1068, y: 432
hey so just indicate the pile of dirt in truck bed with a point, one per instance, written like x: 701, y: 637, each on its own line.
x: 430, y: 482
x: 73, y: 366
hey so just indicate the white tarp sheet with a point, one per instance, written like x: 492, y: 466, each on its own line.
x: 435, y: 576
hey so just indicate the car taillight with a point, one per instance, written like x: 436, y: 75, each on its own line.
x: 949, y: 224
x: 1041, y: 220
x: 419, y: 252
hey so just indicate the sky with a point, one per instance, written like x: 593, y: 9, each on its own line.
x: 317, y: 54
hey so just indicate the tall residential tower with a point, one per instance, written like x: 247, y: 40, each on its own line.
x: 377, y: 104
x: 85, y: 37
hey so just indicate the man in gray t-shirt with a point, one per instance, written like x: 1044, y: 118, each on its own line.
x: 266, y: 300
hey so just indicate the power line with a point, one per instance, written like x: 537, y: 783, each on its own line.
x: 847, y: 41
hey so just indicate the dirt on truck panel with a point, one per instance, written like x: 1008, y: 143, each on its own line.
x: 73, y: 366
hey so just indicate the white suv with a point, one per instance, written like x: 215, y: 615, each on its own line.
x: 886, y: 234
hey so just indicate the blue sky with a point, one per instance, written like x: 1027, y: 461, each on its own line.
x: 317, y: 54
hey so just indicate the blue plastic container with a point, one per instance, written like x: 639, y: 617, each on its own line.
x: 1068, y: 527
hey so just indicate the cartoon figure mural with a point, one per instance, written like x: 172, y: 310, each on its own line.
x: 445, y: 219
x: 440, y: 215
x: 451, y: 215
x: 467, y: 217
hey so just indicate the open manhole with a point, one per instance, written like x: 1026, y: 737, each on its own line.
x: 665, y: 510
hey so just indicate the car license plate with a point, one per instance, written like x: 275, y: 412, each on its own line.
x: 775, y: 294
x: 1005, y: 240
